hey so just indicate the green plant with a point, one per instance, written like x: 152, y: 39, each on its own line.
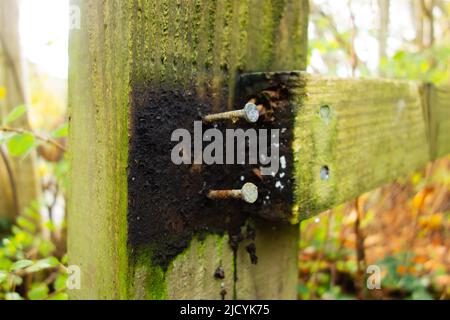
x: 20, y: 141
x: 32, y: 263
x: 28, y: 268
x: 401, y: 277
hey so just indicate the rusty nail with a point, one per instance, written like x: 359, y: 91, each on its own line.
x: 250, y: 113
x: 248, y: 193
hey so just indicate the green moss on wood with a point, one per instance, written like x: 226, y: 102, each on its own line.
x: 147, y: 281
x: 98, y: 125
x: 439, y: 113
x: 126, y: 44
x: 374, y: 132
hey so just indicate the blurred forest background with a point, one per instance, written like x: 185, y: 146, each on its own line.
x: 403, y: 228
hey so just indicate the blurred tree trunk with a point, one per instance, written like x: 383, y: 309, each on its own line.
x: 19, y: 184
x: 384, y: 28
x: 427, y: 9
x: 417, y: 14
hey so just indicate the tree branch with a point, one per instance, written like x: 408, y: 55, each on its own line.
x: 36, y: 135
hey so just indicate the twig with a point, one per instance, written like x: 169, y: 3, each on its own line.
x: 360, y: 251
x: 54, y: 293
x: 353, y: 56
x: 321, y: 250
x: 12, y: 181
x: 345, y: 45
x: 36, y: 135
x: 50, y: 206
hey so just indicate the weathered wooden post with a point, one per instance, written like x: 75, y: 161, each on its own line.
x: 138, y: 70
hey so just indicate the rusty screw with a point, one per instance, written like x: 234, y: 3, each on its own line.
x: 250, y: 113
x: 248, y: 193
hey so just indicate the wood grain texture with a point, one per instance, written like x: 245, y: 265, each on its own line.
x: 366, y: 132
x: 124, y: 45
x: 208, y: 43
x: 276, y: 274
x: 98, y: 139
x: 439, y: 105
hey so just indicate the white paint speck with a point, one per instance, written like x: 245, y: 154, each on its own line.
x: 279, y: 185
x: 283, y: 162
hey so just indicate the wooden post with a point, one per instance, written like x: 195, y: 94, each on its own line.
x: 134, y: 66
x: 18, y: 177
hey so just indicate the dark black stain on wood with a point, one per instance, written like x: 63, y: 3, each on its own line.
x: 251, y: 249
x: 167, y: 203
x: 219, y: 273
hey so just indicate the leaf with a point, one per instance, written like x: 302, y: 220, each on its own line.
x: 43, y: 264
x: 60, y: 282
x: 421, y: 295
x: 20, y: 144
x: 61, y: 131
x: 16, y: 113
x: 399, y: 55
x: 26, y: 224
x: 2, y: 93
x: 59, y: 296
x: 13, y: 296
x: 32, y: 211
x: 16, y: 280
x: 38, y: 292
x: 46, y: 247
x: 3, y: 276
x: 50, y: 225
x: 419, y: 198
x: 21, y: 264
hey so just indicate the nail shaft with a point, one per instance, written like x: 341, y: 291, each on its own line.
x: 230, y: 115
x: 225, y: 194
x: 248, y: 193
x: 250, y: 113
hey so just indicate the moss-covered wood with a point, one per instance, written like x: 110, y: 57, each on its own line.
x: 439, y: 119
x: 352, y: 136
x: 349, y: 135
x: 99, y: 76
x: 202, y: 45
